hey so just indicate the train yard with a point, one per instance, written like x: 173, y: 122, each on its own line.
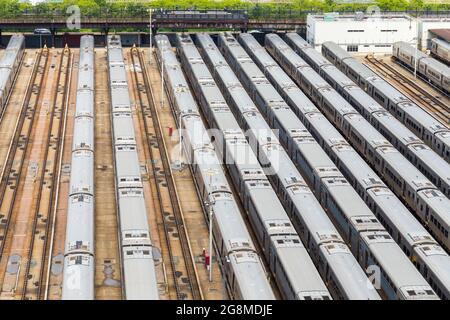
x: 319, y: 175
x: 436, y: 104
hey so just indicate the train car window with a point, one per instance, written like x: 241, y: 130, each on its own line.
x: 352, y: 48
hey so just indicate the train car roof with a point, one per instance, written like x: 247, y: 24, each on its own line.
x: 135, y: 288
x: 408, y: 49
x: 432, y: 160
x: 132, y: 209
x: 348, y: 200
x: 404, y: 168
x: 307, y: 279
x: 441, y: 43
x: 338, y: 76
x: 16, y: 41
x: 357, y: 67
x: 4, y: 77
x: 336, y: 49
x: 9, y: 58
x: 436, y: 65
x: 428, y: 121
x: 248, y: 268
x: 438, y: 202
x: 437, y: 260
x: 399, y: 215
x: 316, y: 57
x: 387, y: 90
x: 401, y: 271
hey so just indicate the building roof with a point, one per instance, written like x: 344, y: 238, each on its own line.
x: 335, y: 16
x: 444, y: 17
x: 443, y: 34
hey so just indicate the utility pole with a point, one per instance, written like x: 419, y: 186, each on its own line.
x: 415, y: 61
x: 210, y: 173
x: 180, y: 137
x: 210, y: 238
x: 162, y: 79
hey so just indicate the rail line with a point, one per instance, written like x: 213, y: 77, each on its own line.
x: 108, y: 283
x: 26, y: 246
x: 205, y: 210
x: 428, y: 101
x: 52, y: 287
x: 189, y: 192
x: 37, y: 248
x: 176, y: 239
x: 15, y: 158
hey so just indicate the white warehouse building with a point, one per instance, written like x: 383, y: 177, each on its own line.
x: 360, y: 32
x: 429, y: 23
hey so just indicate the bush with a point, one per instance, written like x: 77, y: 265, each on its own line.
x: 295, y: 9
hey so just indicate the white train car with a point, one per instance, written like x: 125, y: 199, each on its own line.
x: 9, y: 67
x: 388, y: 208
x: 401, y: 176
x: 281, y: 243
x: 434, y: 71
x: 357, y: 224
x: 337, y: 266
x: 441, y: 50
x: 435, y: 134
x: 243, y: 268
x: 79, y: 267
x: 428, y: 162
x: 139, y: 277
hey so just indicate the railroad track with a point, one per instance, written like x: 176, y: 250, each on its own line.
x: 48, y: 182
x: 175, y: 235
x: 25, y: 248
x: 15, y: 158
x: 414, y: 91
x: 55, y: 252
x: 107, y: 250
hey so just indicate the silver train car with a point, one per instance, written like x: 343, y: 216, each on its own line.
x: 242, y: 266
x: 337, y: 266
x: 9, y: 67
x: 436, y: 169
x: 79, y: 255
x: 391, y: 212
x: 357, y: 223
x: 431, y: 69
x: 441, y: 50
x: 400, y: 175
x: 139, y: 277
x: 278, y: 238
x: 435, y: 134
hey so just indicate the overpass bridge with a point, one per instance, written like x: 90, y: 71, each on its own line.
x: 141, y: 23
x: 174, y: 20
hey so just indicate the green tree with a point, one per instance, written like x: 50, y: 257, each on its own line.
x: 393, y: 5
x: 416, y: 4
